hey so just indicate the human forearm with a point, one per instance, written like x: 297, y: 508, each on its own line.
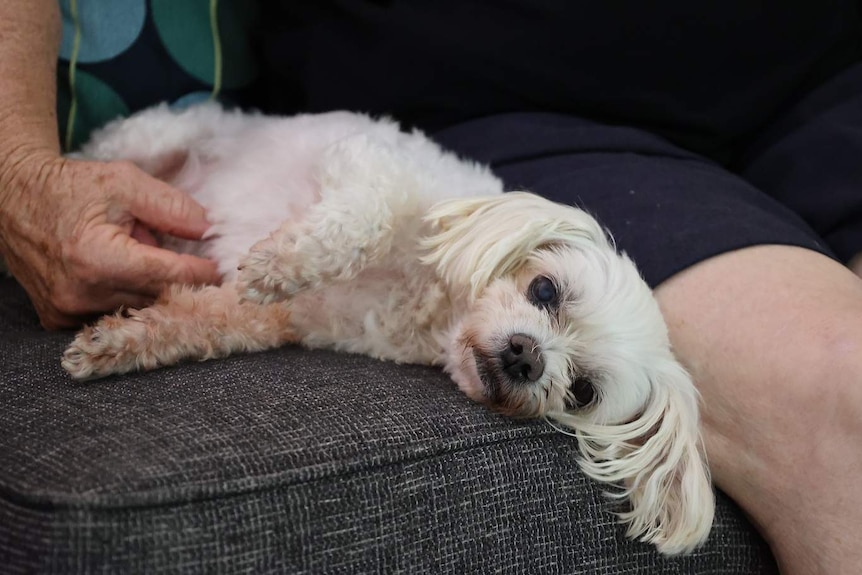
x: 29, y: 42
x: 67, y: 228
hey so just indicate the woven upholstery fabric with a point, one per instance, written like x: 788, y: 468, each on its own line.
x: 296, y: 462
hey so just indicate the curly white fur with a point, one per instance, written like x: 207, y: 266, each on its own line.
x: 353, y: 235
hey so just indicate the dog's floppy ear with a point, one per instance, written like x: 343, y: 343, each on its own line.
x: 478, y: 239
x: 658, y: 461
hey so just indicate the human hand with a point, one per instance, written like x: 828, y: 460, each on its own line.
x: 76, y: 236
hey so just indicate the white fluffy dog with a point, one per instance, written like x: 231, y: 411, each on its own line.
x: 383, y: 244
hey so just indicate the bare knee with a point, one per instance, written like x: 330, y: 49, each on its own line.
x: 855, y: 264
x: 773, y: 338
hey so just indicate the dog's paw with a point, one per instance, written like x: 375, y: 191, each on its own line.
x: 269, y: 273
x: 113, y: 345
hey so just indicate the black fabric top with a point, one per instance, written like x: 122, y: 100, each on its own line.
x: 707, y: 75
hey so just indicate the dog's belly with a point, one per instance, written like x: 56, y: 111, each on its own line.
x: 259, y: 175
x: 246, y: 205
x: 228, y: 243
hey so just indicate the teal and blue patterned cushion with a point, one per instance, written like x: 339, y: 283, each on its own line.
x: 119, y: 56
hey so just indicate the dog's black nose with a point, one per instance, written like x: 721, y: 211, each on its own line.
x: 522, y: 359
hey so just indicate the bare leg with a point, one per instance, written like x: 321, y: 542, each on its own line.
x: 856, y: 264
x: 186, y: 323
x: 773, y: 337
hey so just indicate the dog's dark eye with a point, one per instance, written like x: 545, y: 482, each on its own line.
x: 543, y: 292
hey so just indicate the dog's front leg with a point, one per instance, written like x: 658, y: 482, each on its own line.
x: 335, y: 247
x: 370, y: 197
x: 185, y: 323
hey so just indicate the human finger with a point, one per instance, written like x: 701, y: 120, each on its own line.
x: 150, y: 269
x: 90, y: 308
x: 143, y: 235
x: 167, y: 209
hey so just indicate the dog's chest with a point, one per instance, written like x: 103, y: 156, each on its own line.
x: 395, y: 314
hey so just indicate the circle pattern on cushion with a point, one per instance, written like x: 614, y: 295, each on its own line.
x: 107, y: 28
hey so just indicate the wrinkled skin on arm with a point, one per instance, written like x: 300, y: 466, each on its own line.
x: 77, y: 235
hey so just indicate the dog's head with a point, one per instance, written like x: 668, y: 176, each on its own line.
x: 560, y: 325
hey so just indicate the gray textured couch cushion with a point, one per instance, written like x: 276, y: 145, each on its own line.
x: 296, y: 461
